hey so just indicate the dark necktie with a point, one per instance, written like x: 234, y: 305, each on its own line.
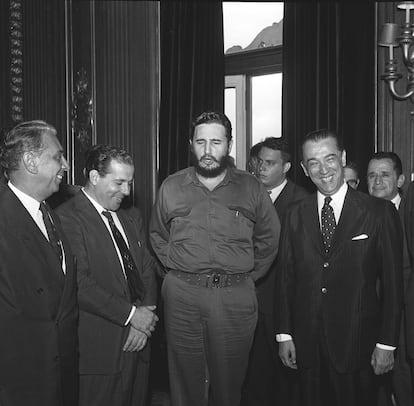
x: 135, y: 284
x: 52, y: 233
x: 328, y: 224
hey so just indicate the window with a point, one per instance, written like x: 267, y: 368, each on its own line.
x: 253, y: 58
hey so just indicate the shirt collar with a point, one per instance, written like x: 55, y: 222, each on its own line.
x: 276, y: 191
x: 397, y: 201
x: 31, y: 204
x: 337, y: 198
x: 191, y: 176
x: 95, y: 204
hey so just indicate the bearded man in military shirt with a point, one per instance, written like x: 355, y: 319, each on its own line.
x: 216, y: 232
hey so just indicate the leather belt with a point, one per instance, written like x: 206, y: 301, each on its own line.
x: 211, y: 280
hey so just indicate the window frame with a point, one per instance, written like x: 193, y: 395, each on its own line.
x: 244, y: 65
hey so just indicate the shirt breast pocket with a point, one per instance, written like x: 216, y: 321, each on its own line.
x: 241, y: 222
x: 181, y: 228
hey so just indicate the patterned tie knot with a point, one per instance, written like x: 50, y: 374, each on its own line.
x: 328, y: 199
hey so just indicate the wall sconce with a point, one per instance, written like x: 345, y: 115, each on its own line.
x: 405, y: 39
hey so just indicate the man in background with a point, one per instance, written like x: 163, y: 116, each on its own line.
x: 385, y: 180
x: 117, y: 291
x: 38, y: 305
x: 351, y: 174
x: 268, y: 383
x: 252, y: 165
x: 335, y: 244
x: 215, y: 231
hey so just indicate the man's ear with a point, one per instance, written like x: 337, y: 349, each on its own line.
x: 286, y: 167
x: 343, y: 158
x: 400, y: 181
x: 230, y: 144
x: 304, y: 169
x: 93, y: 177
x: 30, y: 162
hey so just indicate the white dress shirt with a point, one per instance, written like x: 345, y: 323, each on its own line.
x: 276, y: 191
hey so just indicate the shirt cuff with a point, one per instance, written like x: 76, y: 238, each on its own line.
x: 385, y: 347
x: 130, y: 315
x: 283, y: 337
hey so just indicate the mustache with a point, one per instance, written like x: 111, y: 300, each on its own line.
x: 207, y: 156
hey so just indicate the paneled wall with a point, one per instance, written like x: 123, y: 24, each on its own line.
x: 395, y: 125
x: 90, y: 68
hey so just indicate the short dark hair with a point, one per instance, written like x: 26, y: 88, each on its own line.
x: 322, y: 134
x: 24, y: 137
x: 254, y: 150
x: 100, y: 156
x: 393, y: 157
x: 209, y: 117
x: 278, y: 144
x: 352, y: 165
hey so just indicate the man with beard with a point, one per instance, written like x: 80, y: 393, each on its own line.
x: 215, y: 230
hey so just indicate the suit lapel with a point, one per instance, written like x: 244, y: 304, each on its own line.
x: 134, y: 244
x: 311, y: 222
x: 97, y: 227
x: 350, y: 217
x: 26, y: 230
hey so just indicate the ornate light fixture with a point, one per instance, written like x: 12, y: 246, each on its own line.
x: 391, y: 38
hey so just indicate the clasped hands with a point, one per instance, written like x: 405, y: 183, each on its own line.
x: 142, y: 324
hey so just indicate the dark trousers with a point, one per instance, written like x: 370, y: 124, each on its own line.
x: 323, y: 385
x: 401, y: 373
x: 126, y: 388
x: 209, y: 334
x: 268, y: 382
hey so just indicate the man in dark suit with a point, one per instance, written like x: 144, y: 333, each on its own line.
x: 38, y: 305
x: 116, y: 281
x: 385, y: 180
x: 334, y: 246
x: 268, y: 383
x: 409, y: 295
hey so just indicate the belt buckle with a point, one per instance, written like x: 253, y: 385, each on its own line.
x: 216, y: 280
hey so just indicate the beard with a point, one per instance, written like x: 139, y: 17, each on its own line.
x: 211, y: 171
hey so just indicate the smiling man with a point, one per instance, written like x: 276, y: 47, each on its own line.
x: 117, y: 292
x: 38, y: 305
x: 385, y: 180
x: 334, y: 246
x: 215, y: 230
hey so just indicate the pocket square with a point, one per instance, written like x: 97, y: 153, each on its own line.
x: 360, y: 237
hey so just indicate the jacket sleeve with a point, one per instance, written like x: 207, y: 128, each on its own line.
x: 389, y: 251
x: 265, y: 235
x: 284, y: 280
x: 159, y: 229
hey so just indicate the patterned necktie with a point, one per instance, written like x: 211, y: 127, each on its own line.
x: 328, y: 224
x: 135, y: 284
x: 52, y: 233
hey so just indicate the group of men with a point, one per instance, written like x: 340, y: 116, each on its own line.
x: 255, y: 312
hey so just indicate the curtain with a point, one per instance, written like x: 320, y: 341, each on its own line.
x: 329, y: 76
x: 192, y: 75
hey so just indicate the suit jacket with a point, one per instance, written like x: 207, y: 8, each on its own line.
x: 104, y: 299
x: 409, y: 295
x: 38, y: 313
x: 265, y: 287
x: 336, y: 293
